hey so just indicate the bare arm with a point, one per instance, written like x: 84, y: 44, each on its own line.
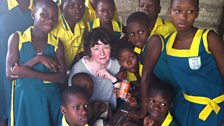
x: 152, y: 55
x: 12, y: 55
x: 216, y: 46
x: 24, y: 71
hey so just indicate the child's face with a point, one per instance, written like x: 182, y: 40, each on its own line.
x: 137, y: 33
x: 158, y: 105
x: 75, y: 111
x: 183, y: 14
x: 150, y: 7
x: 45, y: 17
x: 128, y: 60
x: 73, y: 10
x: 105, y: 11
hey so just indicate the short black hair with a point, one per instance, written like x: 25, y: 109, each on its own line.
x: 197, y: 3
x: 138, y: 17
x: 47, y: 2
x: 110, y: 1
x: 156, y: 1
x: 81, y: 75
x: 162, y: 88
x: 94, y: 36
x: 123, y: 45
x: 72, y: 91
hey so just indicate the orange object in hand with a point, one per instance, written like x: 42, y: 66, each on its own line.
x: 124, y: 89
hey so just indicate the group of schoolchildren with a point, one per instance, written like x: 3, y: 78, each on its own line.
x: 176, y: 70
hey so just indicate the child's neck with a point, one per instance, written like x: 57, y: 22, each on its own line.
x: 92, y: 2
x: 37, y: 33
x: 71, y: 25
x: 152, y: 24
x: 107, y: 25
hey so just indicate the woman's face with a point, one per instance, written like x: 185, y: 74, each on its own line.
x: 100, y: 53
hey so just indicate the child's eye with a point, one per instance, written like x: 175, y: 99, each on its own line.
x: 190, y: 11
x: 177, y: 11
x: 140, y: 32
x: 152, y: 101
x: 77, y: 108
x: 131, y: 34
x: 44, y: 15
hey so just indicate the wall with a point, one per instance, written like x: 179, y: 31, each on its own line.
x: 210, y: 15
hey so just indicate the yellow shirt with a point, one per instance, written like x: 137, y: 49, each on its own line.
x: 13, y: 3
x: 92, y: 13
x: 73, y: 42
x: 64, y: 123
x: 131, y: 76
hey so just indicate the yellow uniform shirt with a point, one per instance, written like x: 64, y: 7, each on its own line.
x: 92, y: 13
x: 131, y: 76
x: 73, y: 42
x: 13, y: 3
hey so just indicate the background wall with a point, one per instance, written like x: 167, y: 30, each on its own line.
x: 210, y: 15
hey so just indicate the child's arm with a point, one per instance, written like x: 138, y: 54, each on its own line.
x: 25, y: 72
x: 12, y: 55
x: 153, y: 51
x: 216, y: 46
x: 50, y: 63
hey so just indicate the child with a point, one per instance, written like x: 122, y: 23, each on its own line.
x: 152, y: 54
x: 195, y: 58
x: 105, y: 11
x: 159, y: 102
x: 71, y: 29
x: 74, y: 107
x: 96, y: 108
x: 128, y: 61
x: 83, y: 80
x: 156, y: 24
x: 90, y: 4
x: 35, y: 73
x: 10, y: 11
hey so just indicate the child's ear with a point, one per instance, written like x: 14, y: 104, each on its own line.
x: 169, y: 11
x: 32, y: 14
x: 63, y: 110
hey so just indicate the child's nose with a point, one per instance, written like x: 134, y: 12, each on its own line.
x: 183, y: 16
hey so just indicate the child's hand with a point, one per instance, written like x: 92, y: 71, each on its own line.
x: 132, y: 101
x: 20, y: 71
x: 99, y: 106
x: 50, y: 63
x: 148, y: 121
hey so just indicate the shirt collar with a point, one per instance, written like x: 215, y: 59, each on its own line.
x: 115, y: 25
x: 167, y: 120
x: 79, y: 25
x: 159, y: 21
x: 13, y: 3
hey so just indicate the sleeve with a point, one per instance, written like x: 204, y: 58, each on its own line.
x: 114, y: 66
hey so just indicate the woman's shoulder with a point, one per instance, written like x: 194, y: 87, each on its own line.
x: 114, y: 66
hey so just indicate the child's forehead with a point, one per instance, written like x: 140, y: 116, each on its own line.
x: 103, y: 2
x: 137, y: 23
x: 74, y: 1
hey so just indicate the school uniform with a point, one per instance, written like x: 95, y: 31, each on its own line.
x: 202, y: 85
x: 169, y: 121
x: 131, y: 76
x: 92, y: 13
x: 64, y: 122
x: 117, y: 27
x: 161, y: 27
x: 35, y: 102
x: 12, y: 19
x: 73, y: 42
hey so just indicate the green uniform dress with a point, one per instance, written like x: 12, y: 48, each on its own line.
x: 36, y: 102
x: 12, y: 19
x: 197, y: 74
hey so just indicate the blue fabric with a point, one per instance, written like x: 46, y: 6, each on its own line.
x: 205, y: 81
x: 10, y: 21
x: 36, y: 103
